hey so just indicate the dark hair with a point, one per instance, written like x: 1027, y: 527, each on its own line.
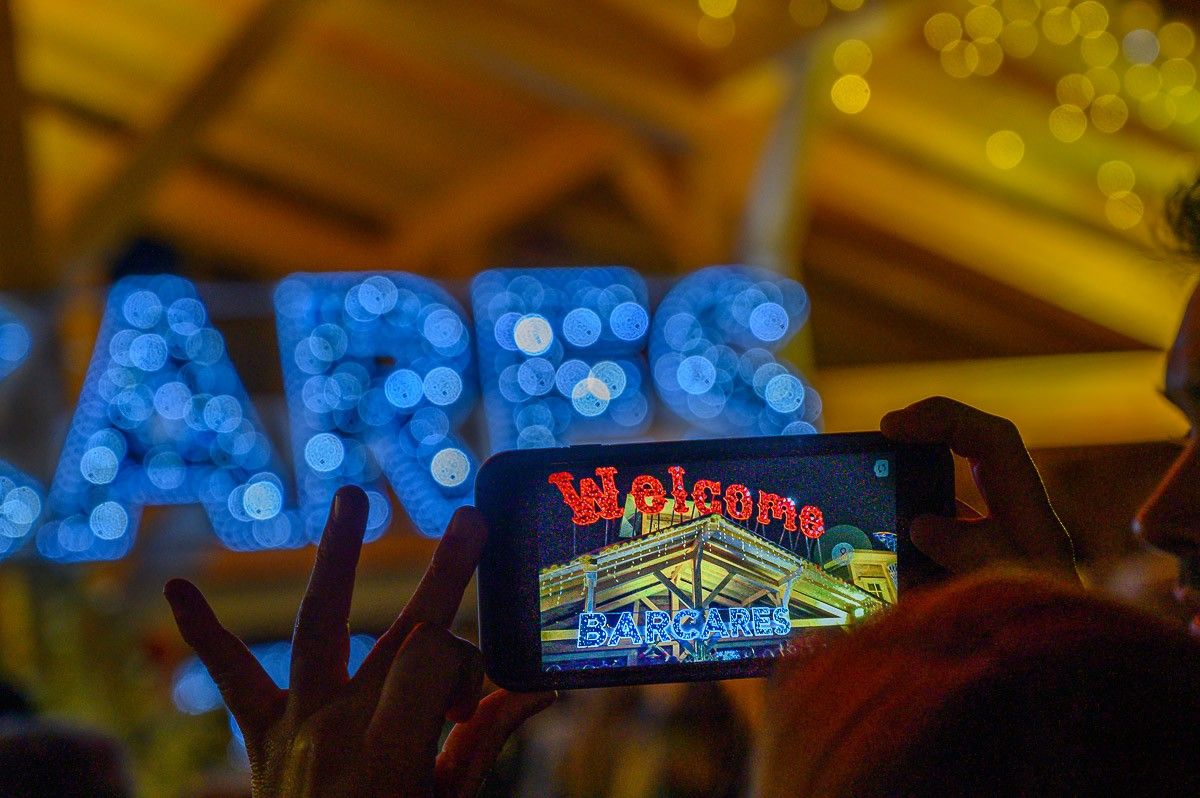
x: 42, y: 759
x: 993, y: 685
x: 1183, y: 217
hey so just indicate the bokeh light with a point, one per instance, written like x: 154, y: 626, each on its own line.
x: 560, y: 354
x: 379, y: 374
x: 163, y: 418
x: 712, y: 353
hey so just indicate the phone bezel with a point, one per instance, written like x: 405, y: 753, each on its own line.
x: 509, y: 618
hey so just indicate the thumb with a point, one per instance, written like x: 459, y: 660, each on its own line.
x: 472, y: 747
x: 957, y: 544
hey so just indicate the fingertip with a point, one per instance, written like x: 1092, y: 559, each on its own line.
x: 467, y: 524
x: 180, y: 594
x: 349, y: 503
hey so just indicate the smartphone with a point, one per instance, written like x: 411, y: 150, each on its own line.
x: 707, y: 559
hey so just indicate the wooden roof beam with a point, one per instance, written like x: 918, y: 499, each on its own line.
x: 118, y: 205
x: 19, y: 255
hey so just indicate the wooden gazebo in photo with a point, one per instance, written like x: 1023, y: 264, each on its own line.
x: 698, y: 564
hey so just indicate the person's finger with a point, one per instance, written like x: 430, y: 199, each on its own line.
x: 437, y: 598
x: 1003, y: 470
x: 959, y: 545
x: 428, y: 677
x: 248, y: 691
x: 321, y: 640
x: 472, y: 747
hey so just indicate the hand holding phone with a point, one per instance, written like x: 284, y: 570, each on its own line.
x: 693, y: 560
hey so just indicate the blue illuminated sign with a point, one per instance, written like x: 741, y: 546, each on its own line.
x: 712, y: 351
x: 608, y: 630
x: 21, y: 497
x: 162, y: 419
x: 560, y: 354
x: 379, y: 374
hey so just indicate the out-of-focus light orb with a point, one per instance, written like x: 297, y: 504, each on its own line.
x: 1060, y: 25
x: 533, y: 334
x: 696, y: 375
x: 14, y: 346
x: 961, y: 59
x: 536, y: 376
x: 1020, y: 39
x: 1068, y: 123
x: 983, y: 22
x: 1176, y: 40
x: 1142, y: 81
x: 847, y: 5
x: 1021, y: 10
x: 942, y: 30
x: 1125, y: 210
x: 19, y: 506
x: 1075, y: 89
x: 808, y: 13
x: 784, y: 393
x: 450, y: 467
x: 262, y: 500
x: 850, y: 94
x: 1100, y: 49
x: 166, y: 470
x: 612, y: 375
x: 768, y: 322
x: 142, y: 309
x: 1140, y: 46
x: 1104, y: 81
x: 799, y: 428
x: 404, y: 388
x: 568, y: 376
x: 1115, y: 177
x: 590, y: 397
x: 324, y: 452
x: 991, y: 57
x: 716, y: 33
x: 1139, y: 14
x: 1178, y: 75
x: 581, y: 327
x: 1188, y: 107
x: 108, y: 521
x: 852, y: 57
x: 629, y: 321
x: 1005, y: 149
x: 1157, y: 112
x: 1109, y: 113
x: 1092, y: 16
x: 442, y: 328
x: 99, y: 465
x: 442, y: 386
x: 718, y: 9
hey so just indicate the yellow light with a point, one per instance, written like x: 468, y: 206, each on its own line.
x: 848, y: 5
x: 960, y: 59
x: 1177, y: 40
x: 1100, y: 49
x: 1021, y: 10
x: 1158, y: 112
x: 852, y: 57
x: 716, y: 33
x: 984, y: 22
x: 1020, y: 39
x: 1178, y: 75
x: 1075, y: 89
x: 809, y: 13
x: 1109, y: 113
x: 1142, y: 81
x: 1104, y: 80
x: 1068, y: 123
x: 1116, y: 177
x: 1187, y: 107
x: 991, y: 56
x: 850, y: 94
x: 1138, y: 14
x: 1060, y: 25
x: 1093, y: 17
x: 943, y: 30
x: 1125, y: 210
x: 718, y: 9
x: 1005, y: 149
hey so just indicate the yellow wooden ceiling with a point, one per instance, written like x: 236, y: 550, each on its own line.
x: 444, y: 136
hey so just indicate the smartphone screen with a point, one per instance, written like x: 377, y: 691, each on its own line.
x: 697, y: 561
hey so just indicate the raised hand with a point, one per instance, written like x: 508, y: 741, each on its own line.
x: 375, y: 734
x: 1020, y: 526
